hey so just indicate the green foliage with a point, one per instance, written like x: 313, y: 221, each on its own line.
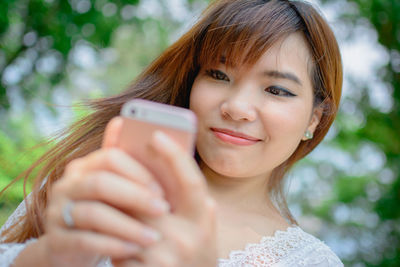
x: 323, y: 210
x: 18, y: 150
x: 32, y: 32
x: 384, y: 129
x: 378, y: 193
x: 387, y: 206
x: 349, y: 188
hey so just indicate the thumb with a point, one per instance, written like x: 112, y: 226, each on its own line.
x: 111, y: 133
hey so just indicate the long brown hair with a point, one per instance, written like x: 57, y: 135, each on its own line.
x: 238, y: 30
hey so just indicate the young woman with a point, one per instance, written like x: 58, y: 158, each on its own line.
x: 264, y: 79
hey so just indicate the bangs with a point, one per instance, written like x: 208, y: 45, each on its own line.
x: 240, y: 32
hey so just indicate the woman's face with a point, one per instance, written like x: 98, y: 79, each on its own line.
x: 252, y: 119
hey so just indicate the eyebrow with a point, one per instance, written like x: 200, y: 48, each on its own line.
x: 282, y: 75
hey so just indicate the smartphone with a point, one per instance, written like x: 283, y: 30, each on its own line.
x: 141, y: 118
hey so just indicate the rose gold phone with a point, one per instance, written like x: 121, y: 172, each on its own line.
x: 142, y: 117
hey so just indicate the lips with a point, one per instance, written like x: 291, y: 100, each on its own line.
x: 233, y: 137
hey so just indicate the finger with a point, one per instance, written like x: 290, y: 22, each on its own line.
x: 118, y: 192
x: 163, y: 254
x: 185, y: 174
x: 128, y: 263
x: 183, y: 242
x: 111, y: 132
x: 85, y: 242
x: 110, y: 140
x: 113, y: 160
x: 101, y: 218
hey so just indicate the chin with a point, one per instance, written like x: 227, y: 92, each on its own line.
x: 226, y: 164
x: 229, y: 170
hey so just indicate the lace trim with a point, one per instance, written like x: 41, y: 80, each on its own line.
x: 292, y: 247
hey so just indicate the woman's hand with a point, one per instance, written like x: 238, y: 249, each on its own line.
x: 188, y: 231
x: 109, y: 192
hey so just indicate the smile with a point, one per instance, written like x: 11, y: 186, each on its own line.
x: 232, y: 137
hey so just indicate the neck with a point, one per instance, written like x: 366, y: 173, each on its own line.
x: 243, y: 194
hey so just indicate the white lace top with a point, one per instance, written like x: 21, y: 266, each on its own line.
x: 293, y: 247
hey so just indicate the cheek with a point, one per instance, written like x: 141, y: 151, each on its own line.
x: 204, y: 99
x: 197, y: 96
x: 289, y: 120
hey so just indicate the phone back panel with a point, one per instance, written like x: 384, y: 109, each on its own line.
x: 141, y: 118
x: 135, y: 136
x: 134, y: 139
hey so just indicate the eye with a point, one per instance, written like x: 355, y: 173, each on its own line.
x: 217, y: 75
x: 279, y: 91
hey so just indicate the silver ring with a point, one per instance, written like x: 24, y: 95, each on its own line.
x: 67, y: 216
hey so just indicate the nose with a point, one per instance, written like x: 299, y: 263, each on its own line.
x: 239, y: 107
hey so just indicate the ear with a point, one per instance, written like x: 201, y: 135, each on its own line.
x: 314, y: 120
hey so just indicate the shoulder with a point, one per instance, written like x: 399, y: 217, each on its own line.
x: 307, y: 250
x: 14, y: 219
x: 292, y: 247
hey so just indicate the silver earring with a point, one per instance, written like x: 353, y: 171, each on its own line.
x: 308, y: 135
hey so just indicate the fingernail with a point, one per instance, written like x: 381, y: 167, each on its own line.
x: 151, y: 235
x: 159, y: 205
x: 131, y: 248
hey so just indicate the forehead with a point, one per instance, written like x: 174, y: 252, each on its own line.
x: 290, y: 54
x: 291, y: 50
x: 243, y: 30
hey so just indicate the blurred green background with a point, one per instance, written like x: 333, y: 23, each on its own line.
x: 55, y: 53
